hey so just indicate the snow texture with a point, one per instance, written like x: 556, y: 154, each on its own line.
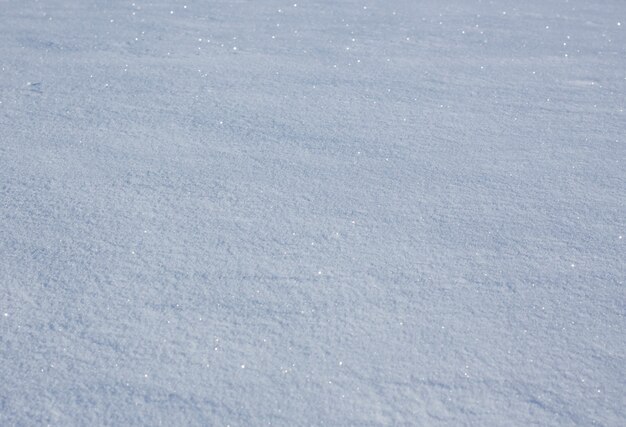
x: 349, y: 212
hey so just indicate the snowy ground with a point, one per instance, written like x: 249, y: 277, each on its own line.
x: 330, y: 213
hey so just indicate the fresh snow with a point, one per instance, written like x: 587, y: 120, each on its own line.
x: 350, y: 212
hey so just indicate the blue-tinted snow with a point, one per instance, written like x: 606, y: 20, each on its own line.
x: 330, y: 213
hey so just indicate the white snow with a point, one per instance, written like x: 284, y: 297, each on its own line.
x: 341, y: 213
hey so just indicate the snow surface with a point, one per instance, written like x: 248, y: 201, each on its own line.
x: 323, y: 213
